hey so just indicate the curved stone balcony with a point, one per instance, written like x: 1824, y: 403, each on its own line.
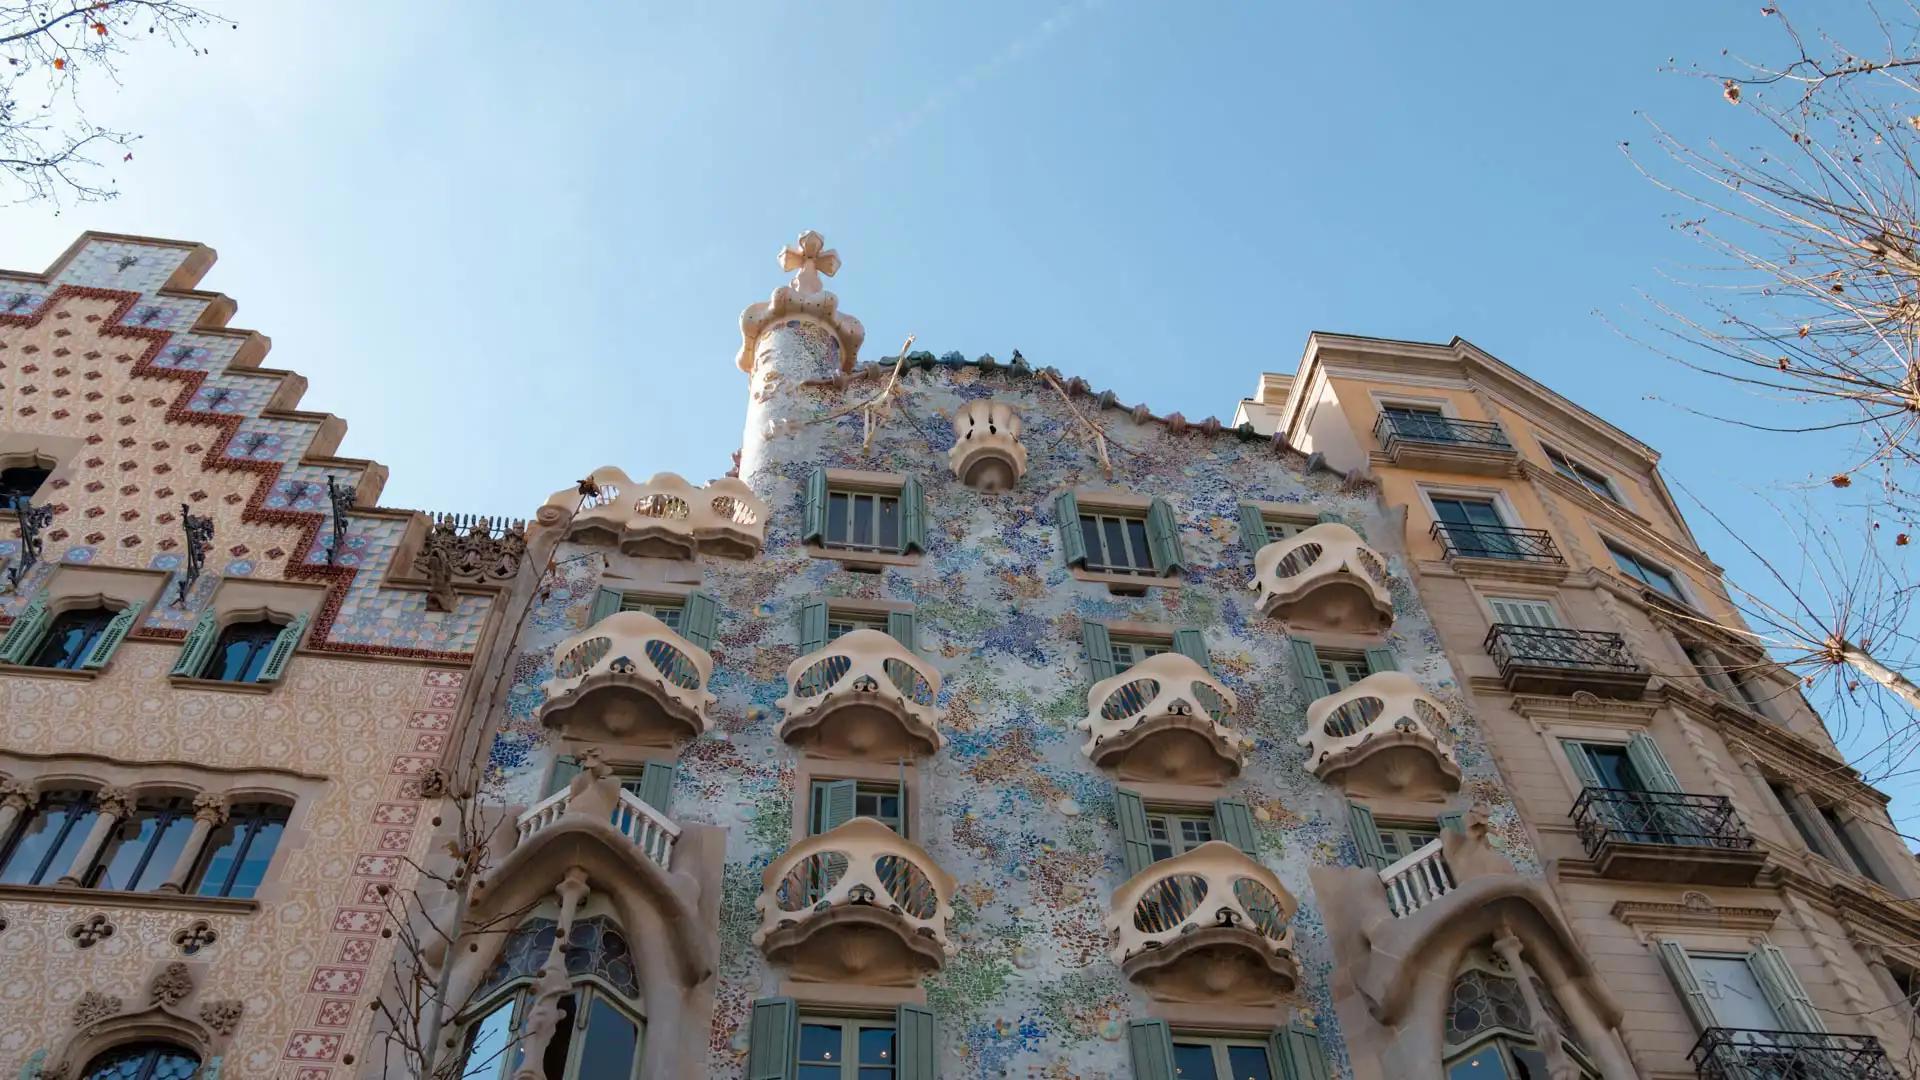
x: 986, y: 453
x: 1324, y: 578
x: 629, y: 679
x: 652, y: 832
x: 865, y: 696
x: 860, y: 903
x: 1210, y: 925
x: 666, y: 517
x: 1382, y: 736
x: 1164, y: 718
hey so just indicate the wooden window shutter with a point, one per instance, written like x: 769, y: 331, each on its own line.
x: 605, y: 603
x: 281, y: 654
x: 1297, y: 1048
x: 1582, y: 765
x: 1073, y: 543
x: 1306, y: 664
x: 1680, y: 971
x: 198, y: 646
x: 699, y: 620
x: 1366, y: 837
x: 773, y: 1039
x: 115, y: 633
x: 813, y: 627
x: 656, y: 785
x: 1150, y: 1043
x: 833, y: 800
x: 1253, y: 528
x: 1236, y: 825
x: 814, y: 526
x: 1192, y: 644
x: 1379, y: 660
x: 1131, y: 812
x: 1099, y: 646
x: 565, y: 768
x: 901, y: 627
x: 1650, y: 765
x: 916, y: 1043
x: 913, y: 516
x: 1163, y: 539
x: 28, y: 628
x: 1784, y: 992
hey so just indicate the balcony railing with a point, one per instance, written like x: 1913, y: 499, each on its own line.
x: 852, y: 878
x: 1550, y: 659
x: 650, y: 830
x: 1425, y: 428
x: 665, y: 517
x: 1324, y: 577
x: 629, y: 678
x: 863, y: 695
x: 1169, y: 922
x: 1164, y: 718
x: 1743, y: 1054
x: 1417, y: 880
x: 1657, y: 817
x: 1495, y: 542
x: 1381, y: 736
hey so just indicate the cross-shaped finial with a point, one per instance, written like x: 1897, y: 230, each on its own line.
x: 806, y: 256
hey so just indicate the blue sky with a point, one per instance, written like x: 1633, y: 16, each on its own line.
x: 497, y: 235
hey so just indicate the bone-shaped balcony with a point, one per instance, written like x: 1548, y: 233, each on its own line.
x: 1210, y: 925
x: 860, y: 903
x: 1324, y: 578
x: 865, y: 696
x: 629, y: 679
x: 1381, y: 737
x: 986, y: 453
x: 1164, y: 718
x: 666, y: 517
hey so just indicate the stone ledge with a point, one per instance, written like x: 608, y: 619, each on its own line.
x: 110, y: 898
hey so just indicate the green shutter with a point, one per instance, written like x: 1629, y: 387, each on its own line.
x: 773, y: 1039
x: 1163, y: 538
x: 198, y: 646
x: 813, y: 627
x: 115, y: 633
x: 605, y: 603
x: 698, y: 618
x: 28, y: 628
x: 282, y: 652
x: 901, y: 626
x: 1452, y: 819
x: 656, y: 785
x: 1582, y: 765
x: 832, y: 804
x: 1379, y: 660
x: 1073, y: 543
x: 1692, y: 996
x: 815, y: 525
x: 1366, y: 837
x: 1131, y: 812
x: 1236, y: 825
x: 1649, y: 765
x: 1192, y: 644
x: 1306, y: 665
x: 1093, y: 636
x: 913, y: 516
x: 1253, y: 527
x: 1151, y: 1045
x: 1327, y: 517
x: 1297, y: 1048
x: 1784, y: 992
x: 916, y: 1043
x: 565, y: 768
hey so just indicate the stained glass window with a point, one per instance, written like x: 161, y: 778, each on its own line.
x: 144, y: 1061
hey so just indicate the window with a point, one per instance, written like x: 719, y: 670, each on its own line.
x: 598, y: 1036
x: 81, y: 639
x: 45, y: 845
x: 1590, y: 479
x: 19, y: 483
x: 1128, y: 651
x: 832, y: 1048
x: 1196, y: 1058
x: 241, y: 652
x: 842, y: 623
x: 1281, y: 527
x: 1176, y: 832
x: 1119, y: 540
x: 1646, y: 573
x: 1116, y: 543
x: 667, y: 611
x: 1417, y: 421
x: 1850, y: 844
x: 1491, y: 1032
x: 140, y: 851
x: 865, y: 517
x: 1516, y: 611
x: 1606, y: 766
x: 836, y: 802
x: 1475, y: 528
x: 1341, y: 668
x: 72, y: 639
x: 1400, y: 839
x: 863, y: 520
x: 144, y: 1061
x: 237, y: 853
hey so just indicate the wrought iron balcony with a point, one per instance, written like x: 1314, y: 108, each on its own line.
x: 1666, y: 836
x: 1209, y: 925
x: 1324, y: 578
x: 860, y: 903
x: 1382, y: 736
x: 1495, y: 542
x: 1743, y: 1054
x: 863, y: 695
x: 1445, y: 443
x: 1165, y: 718
x: 1552, y: 660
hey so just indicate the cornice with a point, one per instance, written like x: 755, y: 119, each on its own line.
x: 1641, y: 529
x: 1695, y: 912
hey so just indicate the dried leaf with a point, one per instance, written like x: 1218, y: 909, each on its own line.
x: 1731, y: 91
x: 1841, y: 480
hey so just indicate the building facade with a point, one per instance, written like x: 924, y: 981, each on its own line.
x: 975, y: 723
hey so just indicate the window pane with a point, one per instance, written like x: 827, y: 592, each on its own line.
x: 487, y: 1044
x: 863, y: 520
x: 143, y: 848
x: 1249, y: 1063
x: 253, y: 865
x: 72, y: 637
x: 1196, y: 831
x: 1090, y: 536
x: 889, y: 523
x: 1114, y: 542
x: 820, y: 1072
x: 1194, y: 1061
x: 837, y: 512
x: 611, y: 1045
x: 1483, y: 1065
x: 820, y: 1042
x: 51, y: 842
x: 1137, y: 537
x: 876, y: 1046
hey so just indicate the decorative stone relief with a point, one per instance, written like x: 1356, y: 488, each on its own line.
x: 469, y: 550
x: 172, y: 984
x: 95, y: 1006
x: 221, y: 1017
x: 194, y: 937
x: 986, y: 453
x: 90, y: 931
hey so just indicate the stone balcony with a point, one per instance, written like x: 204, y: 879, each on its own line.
x: 1210, y: 925
x: 1324, y: 578
x: 1165, y: 718
x: 858, y: 904
x: 986, y: 453
x: 1666, y: 836
x: 1382, y: 737
x: 1445, y: 444
x: 629, y: 679
x: 1553, y: 660
x: 652, y: 832
x: 865, y: 696
x: 666, y: 517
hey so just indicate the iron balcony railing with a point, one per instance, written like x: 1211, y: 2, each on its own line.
x: 1604, y: 815
x: 1495, y: 542
x: 1742, y: 1054
x: 1513, y: 645
x: 1424, y: 428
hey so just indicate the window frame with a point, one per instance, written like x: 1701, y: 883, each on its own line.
x: 195, y: 884
x: 87, y: 648
x: 1173, y: 814
x: 1285, y: 526
x: 853, y: 619
x: 1136, y: 643
x: 1617, y: 551
x: 1575, y: 470
x: 172, y: 809
x: 852, y: 493
x: 863, y: 787
x: 518, y: 993
x: 850, y: 1025
x: 1403, y: 831
x: 670, y: 610
x: 1334, y: 662
x: 1222, y: 1044
x: 1094, y: 518
x: 87, y: 800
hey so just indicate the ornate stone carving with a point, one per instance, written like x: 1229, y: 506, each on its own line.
x: 172, y: 984
x: 116, y: 801
x: 210, y: 807
x: 806, y: 297
x: 472, y: 550
x: 221, y: 1017
x: 16, y: 794
x: 435, y: 783
x: 90, y: 931
x: 195, y: 936
x: 94, y: 1007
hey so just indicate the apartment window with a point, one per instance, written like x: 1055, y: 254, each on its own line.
x: 45, y: 845
x: 1128, y: 651
x: 1341, y: 668
x: 19, y: 483
x: 238, y: 852
x: 1119, y: 540
x: 1649, y: 574
x: 141, y: 850
x: 598, y: 1035
x: 1383, y: 843
x: 865, y: 517
x: 833, y: 803
x: 834, y: 1048
x: 144, y: 1061
x: 842, y: 623
x: 669, y: 612
x: 1417, y: 421
x: 253, y: 651
x: 1176, y: 832
x: 1590, y: 479
x: 1197, y: 1058
x: 1475, y: 528
x: 72, y: 639
x: 1399, y: 839
x: 241, y: 652
x: 1116, y: 542
x: 1755, y: 991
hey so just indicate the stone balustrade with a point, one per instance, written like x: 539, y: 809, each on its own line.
x: 650, y: 830
x: 1324, y: 578
x: 666, y: 517
x: 986, y: 453
x: 1208, y: 925
x: 1418, y: 879
x: 629, y: 678
x: 1382, y: 736
x: 863, y: 695
x: 1165, y: 718
x: 859, y: 903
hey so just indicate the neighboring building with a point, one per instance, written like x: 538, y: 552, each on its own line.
x: 212, y: 734
x: 1730, y: 876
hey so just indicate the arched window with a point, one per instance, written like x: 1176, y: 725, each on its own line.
x: 1490, y: 1030
x: 72, y: 639
x: 237, y: 853
x: 141, y: 850
x: 241, y: 652
x: 46, y: 843
x: 144, y: 1061
x: 20, y: 481
x: 599, y: 1033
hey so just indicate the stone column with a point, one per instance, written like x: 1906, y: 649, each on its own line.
x: 1545, y: 1032
x: 209, y: 813
x: 1597, y: 1036
x: 115, y: 804
x: 543, y: 1015
x: 16, y: 798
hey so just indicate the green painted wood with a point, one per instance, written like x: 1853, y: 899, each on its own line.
x: 1130, y: 810
x: 656, y: 785
x: 1163, y: 539
x: 1366, y: 835
x: 1306, y: 666
x: 1099, y: 646
x: 699, y: 620
x: 1073, y: 543
x: 1253, y: 528
x: 1236, y: 825
x: 605, y: 603
x: 773, y: 1039
x: 1381, y: 659
x: 25, y: 633
x: 1192, y: 644
x: 198, y: 646
x: 814, y: 527
x: 813, y: 627
x: 1150, y: 1042
x: 913, y: 516
x: 916, y: 1043
x: 281, y: 653
x: 902, y: 627
x: 115, y: 633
